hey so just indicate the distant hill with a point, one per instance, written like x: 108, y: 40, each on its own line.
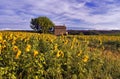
x: 78, y: 28
x: 94, y: 32
x: 79, y: 32
x: 19, y: 30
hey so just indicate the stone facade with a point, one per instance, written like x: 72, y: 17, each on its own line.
x: 59, y: 30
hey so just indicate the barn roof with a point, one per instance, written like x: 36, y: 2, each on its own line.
x: 60, y: 27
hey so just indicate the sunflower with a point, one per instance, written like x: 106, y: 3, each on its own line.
x: 59, y: 53
x: 1, y: 38
x: 28, y: 47
x: 18, y: 54
x: 15, y: 48
x: 85, y: 59
x: 35, y: 52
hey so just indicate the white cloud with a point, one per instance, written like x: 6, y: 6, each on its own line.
x: 104, y: 16
x: 6, y: 29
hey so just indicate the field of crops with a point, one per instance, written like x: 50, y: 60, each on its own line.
x: 43, y: 56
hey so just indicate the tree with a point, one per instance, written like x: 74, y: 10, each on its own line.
x: 42, y: 24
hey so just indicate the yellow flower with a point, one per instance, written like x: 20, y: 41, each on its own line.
x: 0, y: 48
x: 28, y: 45
x: 1, y: 38
x: 60, y: 53
x: 87, y: 42
x: 18, y: 54
x: 4, y: 42
x: 4, y: 46
x: 11, y: 35
x: 13, y: 42
x: 66, y: 41
x: 55, y: 47
x: 71, y: 47
x: 100, y: 42
x: 15, y: 48
x: 28, y: 48
x: 103, y: 47
x: 35, y: 52
x: 85, y: 59
x: 14, y: 38
x: 79, y: 53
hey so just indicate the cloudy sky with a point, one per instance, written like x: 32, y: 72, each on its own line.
x: 80, y: 14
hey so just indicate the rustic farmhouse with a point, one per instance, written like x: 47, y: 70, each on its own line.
x: 59, y: 30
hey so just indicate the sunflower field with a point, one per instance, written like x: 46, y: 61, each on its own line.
x: 26, y: 55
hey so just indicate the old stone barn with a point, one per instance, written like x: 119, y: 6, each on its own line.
x: 59, y: 30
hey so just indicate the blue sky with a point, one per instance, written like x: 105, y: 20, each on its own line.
x: 84, y: 14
